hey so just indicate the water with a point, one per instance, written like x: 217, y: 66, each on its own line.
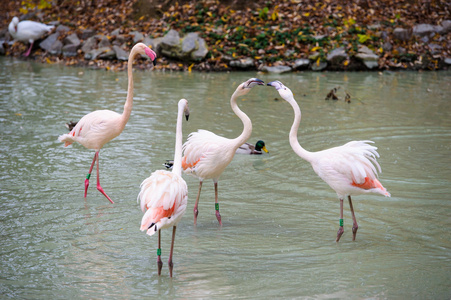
x: 279, y: 219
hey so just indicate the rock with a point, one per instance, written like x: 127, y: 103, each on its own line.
x: 368, y: 57
x: 137, y: 36
x: 435, y: 49
x: 116, y: 32
x: 69, y: 50
x: 402, y: 34
x: 108, y: 54
x: 119, y: 40
x: 201, y: 49
x: 301, y: 63
x: 51, y: 44
x: 448, y: 61
x: 190, y: 47
x: 171, y: 39
x: 104, y: 41
x: 72, y: 40
x: 319, y: 67
x: 62, y: 29
x: 337, y: 56
x: 387, y: 46
x: 89, y: 45
x: 121, y: 54
x: 87, y: 33
x: 446, y: 27
x: 277, y: 69
x: 93, y: 54
x: 314, y: 56
x: 245, y: 63
x: 153, y: 43
x: 189, y: 42
x: 423, y: 29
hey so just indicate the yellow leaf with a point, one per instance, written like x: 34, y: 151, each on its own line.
x: 318, y: 61
x: 274, y: 16
x: 306, y: 14
x: 381, y: 50
x: 315, y: 48
x: 18, y: 114
x: 210, y: 14
x: 190, y: 67
x: 346, y: 62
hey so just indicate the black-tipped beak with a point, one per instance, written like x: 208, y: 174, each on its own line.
x: 187, y: 116
x: 259, y: 81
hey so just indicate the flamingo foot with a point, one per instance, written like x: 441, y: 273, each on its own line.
x: 196, y: 212
x: 218, y: 216
x: 100, y: 189
x: 339, y: 233
x: 160, y: 265
x: 171, y: 266
x: 86, y: 186
x: 354, y: 231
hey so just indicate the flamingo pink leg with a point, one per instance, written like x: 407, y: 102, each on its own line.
x: 99, y: 188
x: 340, y: 229
x: 354, y: 225
x: 89, y: 173
x: 159, y: 262
x: 170, y: 263
x: 195, y: 210
x: 28, y: 51
x: 218, y: 215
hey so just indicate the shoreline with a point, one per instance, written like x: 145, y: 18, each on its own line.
x: 225, y: 36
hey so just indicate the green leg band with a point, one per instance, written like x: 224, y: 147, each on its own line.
x: 217, y: 206
x: 158, y: 251
x: 88, y: 176
x: 341, y: 222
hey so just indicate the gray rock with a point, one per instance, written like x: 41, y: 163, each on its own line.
x: 87, y: 33
x: 51, y: 44
x: 69, y: 50
x: 95, y: 53
x: 90, y: 44
x: 337, y: 56
x: 387, y: 46
x: 245, y: 63
x: 153, y: 43
x: 72, y: 40
x: 171, y: 39
x: 116, y: 31
x: 121, y: 54
x: 301, y: 63
x: 277, y: 69
x: 189, y: 42
x: 104, y: 42
x: 137, y: 36
x: 446, y: 27
x: 435, y: 49
x: 402, y: 34
x: 423, y: 29
x: 368, y: 57
x: 322, y: 65
x: 201, y: 51
x: 448, y: 61
x: 314, y: 56
x: 62, y: 29
x: 107, y: 54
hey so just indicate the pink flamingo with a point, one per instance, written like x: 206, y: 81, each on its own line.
x: 206, y: 154
x: 28, y: 31
x: 349, y: 169
x: 164, y: 195
x: 101, y: 126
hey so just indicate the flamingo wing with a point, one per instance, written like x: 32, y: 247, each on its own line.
x: 163, y: 198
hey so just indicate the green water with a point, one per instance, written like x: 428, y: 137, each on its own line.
x: 279, y: 219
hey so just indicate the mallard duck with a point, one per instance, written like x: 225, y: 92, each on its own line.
x: 247, y: 148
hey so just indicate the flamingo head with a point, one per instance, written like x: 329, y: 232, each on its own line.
x: 141, y: 48
x: 246, y: 86
x: 284, y: 92
x: 183, y: 103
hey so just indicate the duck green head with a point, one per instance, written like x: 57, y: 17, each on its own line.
x: 260, y: 145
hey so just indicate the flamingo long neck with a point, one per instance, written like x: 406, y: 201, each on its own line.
x: 247, y: 124
x: 297, y: 148
x: 129, y: 102
x: 177, y: 166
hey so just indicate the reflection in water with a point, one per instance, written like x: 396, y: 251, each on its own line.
x: 279, y: 217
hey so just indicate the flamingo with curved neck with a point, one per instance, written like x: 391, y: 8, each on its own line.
x: 206, y: 155
x: 164, y: 195
x: 101, y: 126
x: 350, y: 169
